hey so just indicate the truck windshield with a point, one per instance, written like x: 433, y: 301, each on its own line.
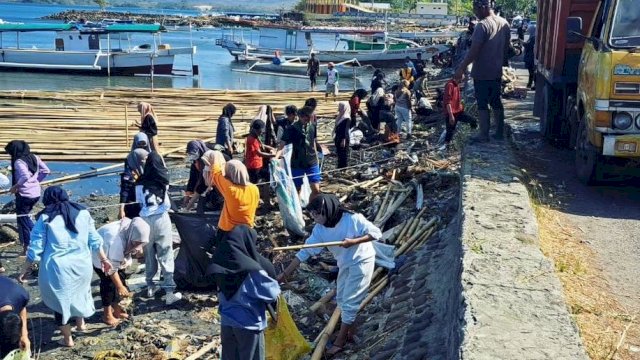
x: 625, y: 31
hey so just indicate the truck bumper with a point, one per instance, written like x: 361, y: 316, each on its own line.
x: 621, y: 145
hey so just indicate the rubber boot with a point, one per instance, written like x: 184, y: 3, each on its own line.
x: 498, y: 117
x: 483, y: 128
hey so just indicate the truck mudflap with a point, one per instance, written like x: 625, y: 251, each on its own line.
x: 621, y: 145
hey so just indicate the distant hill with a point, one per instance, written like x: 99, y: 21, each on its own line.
x: 218, y: 5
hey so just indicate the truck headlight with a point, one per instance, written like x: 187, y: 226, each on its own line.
x: 622, y: 120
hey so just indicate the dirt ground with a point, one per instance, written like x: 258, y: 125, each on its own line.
x: 591, y: 235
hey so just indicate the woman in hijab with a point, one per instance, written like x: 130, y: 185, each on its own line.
x: 148, y: 124
x: 355, y: 257
x: 195, y: 185
x: 247, y: 285
x: 152, y: 195
x: 241, y: 197
x: 63, y: 241
x: 374, y: 105
x: 27, y: 171
x: 141, y: 141
x: 121, y: 241
x: 403, y: 106
x: 341, y: 133
x: 225, y: 130
x: 529, y: 55
x: 133, y: 169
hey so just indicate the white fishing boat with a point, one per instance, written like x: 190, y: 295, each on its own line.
x: 102, y: 50
x: 296, y: 67
x: 291, y: 43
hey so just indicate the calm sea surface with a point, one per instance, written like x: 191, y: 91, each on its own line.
x: 215, y: 63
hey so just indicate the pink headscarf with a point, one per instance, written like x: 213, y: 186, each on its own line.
x: 145, y: 109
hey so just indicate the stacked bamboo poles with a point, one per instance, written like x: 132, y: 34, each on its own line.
x: 414, y: 239
x: 98, y: 124
x: 391, y: 203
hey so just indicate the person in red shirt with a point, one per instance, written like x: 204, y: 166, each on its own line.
x: 254, y: 154
x: 454, y: 109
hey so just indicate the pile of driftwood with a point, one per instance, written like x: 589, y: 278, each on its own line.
x: 99, y: 124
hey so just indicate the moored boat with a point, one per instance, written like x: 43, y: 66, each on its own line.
x: 291, y: 43
x: 89, y: 50
x: 298, y: 67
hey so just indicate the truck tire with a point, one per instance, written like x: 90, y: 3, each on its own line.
x: 549, y: 119
x: 588, y: 158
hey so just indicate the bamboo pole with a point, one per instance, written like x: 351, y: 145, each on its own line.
x: 126, y: 126
x: 307, y: 246
x: 205, y: 349
x: 323, y: 338
x: 380, y: 223
x: 323, y: 300
x: 414, y: 224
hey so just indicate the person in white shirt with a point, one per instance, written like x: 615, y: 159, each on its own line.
x: 332, y: 82
x: 121, y: 240
x: 355, y: 258
x: 152, y: 195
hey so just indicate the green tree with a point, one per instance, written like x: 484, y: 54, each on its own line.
x: 460, y: 8
x: 102, y: 3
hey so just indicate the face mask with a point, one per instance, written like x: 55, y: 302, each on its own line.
x: 192, y: 157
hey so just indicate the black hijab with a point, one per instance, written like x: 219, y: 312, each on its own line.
x: 236, y: 256
x: 328, y: 206
x: 19, y: 150
x: 197, y: 147
x: 155, y: 177
x: 56, y: 202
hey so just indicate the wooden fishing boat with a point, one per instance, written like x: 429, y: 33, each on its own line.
x: 297, y: 67
x: 89, y: 50
x: 292, y: 43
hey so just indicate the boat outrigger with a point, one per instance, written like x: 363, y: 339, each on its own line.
x: 292, y: 43
x: 296, y: 67
x: 91, y: 50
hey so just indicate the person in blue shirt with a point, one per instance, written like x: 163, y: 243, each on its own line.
x: 13, y: 317
x: 355, y: 257
x: 247, y: 286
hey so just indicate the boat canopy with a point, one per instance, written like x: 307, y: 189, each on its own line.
x: 115, y: 28
x: 35, y: 27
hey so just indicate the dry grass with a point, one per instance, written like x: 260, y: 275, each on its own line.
x: 607, y: 329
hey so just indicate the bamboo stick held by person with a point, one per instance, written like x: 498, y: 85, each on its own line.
x: 355, y: 257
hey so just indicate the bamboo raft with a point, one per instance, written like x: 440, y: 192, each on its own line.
x: 98, y: 125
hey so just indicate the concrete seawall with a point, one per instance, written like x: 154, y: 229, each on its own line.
x: 513, y: 302
x: 479, y: 289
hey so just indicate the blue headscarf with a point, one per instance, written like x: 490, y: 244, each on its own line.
x: 56, y: 202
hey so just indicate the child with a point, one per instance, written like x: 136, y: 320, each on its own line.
x: 255, y: 151
x: 454, y: 110
x: 356, y: 257
x: 247, y: 286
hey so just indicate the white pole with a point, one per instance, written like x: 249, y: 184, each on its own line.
x: 108, y: 55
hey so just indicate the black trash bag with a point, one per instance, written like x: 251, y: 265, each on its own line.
x: 197, y: 234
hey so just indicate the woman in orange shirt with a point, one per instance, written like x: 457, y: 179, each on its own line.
x: 240, y: 195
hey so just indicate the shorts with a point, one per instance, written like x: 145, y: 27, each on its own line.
x: 313, y: 174
x: 257, y: 176
x: 332, y: 89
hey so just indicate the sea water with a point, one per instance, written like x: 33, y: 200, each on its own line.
x: 215, y: 63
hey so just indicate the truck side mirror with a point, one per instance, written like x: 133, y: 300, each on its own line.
x: 574, y: 30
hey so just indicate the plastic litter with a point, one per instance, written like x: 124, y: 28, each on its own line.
x: 283, y: 340
x: 288, y: 202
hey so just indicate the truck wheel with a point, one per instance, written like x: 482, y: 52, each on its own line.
x: 549, y: 111
x: 587, y: 156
